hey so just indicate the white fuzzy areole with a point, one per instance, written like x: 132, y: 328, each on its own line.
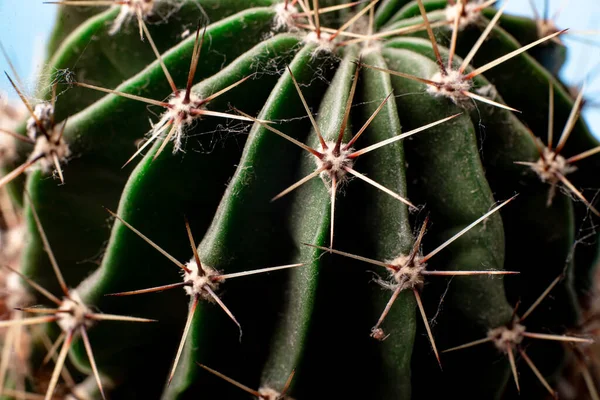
x: 550, y: 164
x: 44, y: 113
x: 409, y: 275
x: 505, y: 338
x: 129, y: 11
x: 284, y: 17
x: 267, y: 393
x: 547, y: 27
x: 323, y: 43
x: 180, y: 114
x: 335, y: 163
x: 75, y: 315
x: 451, y: 86
x: 469, y: 16
x: 56, y: 145
x: 199, y: 282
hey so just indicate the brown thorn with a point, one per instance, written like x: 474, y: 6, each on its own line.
x: 510, y: 55
x: 283, y: 135
x: 417, y: 245
x: 465, y: 230
x: 468, y: 273
x: 225, y: 90
x: 111, y: 317
x: 436, y: 49
x: 316, y: 18
x: 366, y: 125
x: 288, y: 383
x: 19, y: 170
x: 583, y: 155
x: 91, y: 358
x: 538, y: 374
x: 158, y: 56
x: 541, y: 297
x: 353, y: 19
x: 332, y: 209
x: 550, y: 114
x: 534, y: 10
x: 255, y: 271
x: 488, y: 101
x: 308, y: 112
x: 167, y: 139
x: 224, y: 307
x: 60, y: 362
x: 453, y: 41
x: 299, y: 183
x: 589, y: 381
x: 54, y: 347
x: 360, y: 258
x: 151, y: 290
x: 388, y: 307
x: 513, y: 367
x: 150, y: 242
x: 427, y: 327
x: 559, y: 338
x: 194, y: 63
x: 309, y: 14
x: 539, y: 147
x: 39, y: 310
x: 329, y: 9
x: 232, y: 381
x: 484, y: 35
x: 28, y: 106
x: 28, y: 321
x: 380, y: 187
x: 56, y: 162
x: 340, y: 137
x: 37, y: 287
x: 403, y: 75
x: 400, y: 137
x: 577, y: 193
x: 197, y: 112
x: 123, y: 94
x: 570, y: 125
x: 470, y: 344
x: 69, y: 381
x: 17, y: 136
x: 148, y: 142
x: 38, y: 223
x: 194, y: 248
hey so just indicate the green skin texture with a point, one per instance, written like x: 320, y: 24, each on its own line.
x: 306, y: 318
x: 535, y: 114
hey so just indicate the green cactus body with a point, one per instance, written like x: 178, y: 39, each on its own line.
x: 313, y: 319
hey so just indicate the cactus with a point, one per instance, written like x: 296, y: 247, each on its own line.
x: 373, y: 172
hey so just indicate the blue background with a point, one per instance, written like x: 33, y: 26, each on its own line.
x: 25, y: 25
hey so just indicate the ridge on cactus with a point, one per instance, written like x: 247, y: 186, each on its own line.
x: 200, y: 282
x: 551, y: 166
x: 321, y: 74
x: 73, y: 317
x: 507, y: 339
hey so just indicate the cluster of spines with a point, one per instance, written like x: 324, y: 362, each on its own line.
x: 334, y: 161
